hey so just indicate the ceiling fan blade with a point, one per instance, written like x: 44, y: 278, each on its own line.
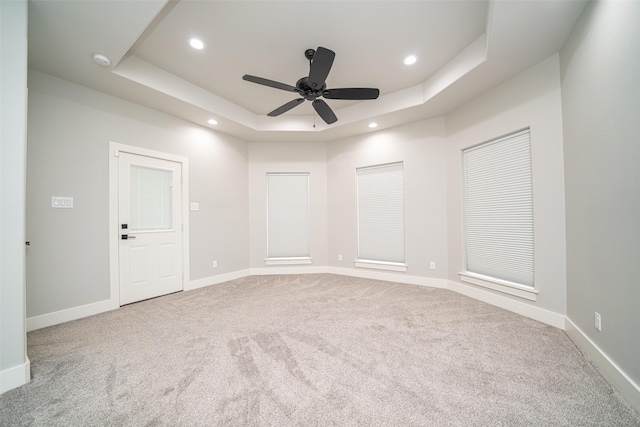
x: 324, y: 111
x: 270, y: 83
x: 320, y: 67
x: 354, y: 93
x: 286, y: 107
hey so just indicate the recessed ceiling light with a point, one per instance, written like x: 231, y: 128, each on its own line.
x: 101, y: 59
x: 212, y: 121
x: 373, y: 125
x: 409, y: 60
x: 196, y: 43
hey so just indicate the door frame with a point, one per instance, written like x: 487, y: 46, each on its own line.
x: 115, y: 149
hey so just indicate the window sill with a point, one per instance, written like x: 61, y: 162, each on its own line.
x: 288, y: 261
x: 503, y: 286
x: 380, y: 265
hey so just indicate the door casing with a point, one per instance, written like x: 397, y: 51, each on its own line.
x: 114, y: 232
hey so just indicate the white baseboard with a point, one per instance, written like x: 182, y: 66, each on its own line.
x: 389, y: 277
x: 55, y: 318
x: 21, y: 374
x: 527, y: 310
x: 524, y: 309
x: 214, y: 280
x: 265, y: 271
x: 15, y: 377
x: 50, y: 319
x: 607, y: 367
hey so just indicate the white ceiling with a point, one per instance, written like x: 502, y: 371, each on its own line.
x: 464, y: 48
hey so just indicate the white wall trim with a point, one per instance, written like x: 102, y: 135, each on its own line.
x: 503, y: 286
x: 527, y: 310
x: 74, y: 313
x: 214, y: 280
x: 380, y: 265
x: 288, y: 261
x: 20, y: 375
x: 390, y: 277
x: 15, y: 377
x: 114, y: 231
x: 607, y: 367
x: 524, y: 309
x: 265, y: 271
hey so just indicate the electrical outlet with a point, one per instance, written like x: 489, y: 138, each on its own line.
x: 215, y: 264
x: 432, y: 265
x: 339, y: 257
x: 598, y: 320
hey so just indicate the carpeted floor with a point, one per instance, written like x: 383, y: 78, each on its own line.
x: 310, y: 350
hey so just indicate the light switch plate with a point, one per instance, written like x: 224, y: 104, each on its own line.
x: 62, y: 202
x: 195, y: 206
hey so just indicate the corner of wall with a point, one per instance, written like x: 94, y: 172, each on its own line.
x: 536, y: 313
x: 15, y: 377
x: 607, y: 367
x: 14, y: 363
x: 214, y: 280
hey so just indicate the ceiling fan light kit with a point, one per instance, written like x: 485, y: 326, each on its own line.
x: 314, y: 86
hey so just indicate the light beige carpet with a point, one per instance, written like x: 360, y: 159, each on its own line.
x: 310, y: 350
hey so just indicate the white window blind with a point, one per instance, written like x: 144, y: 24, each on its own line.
x: 151, y: 201
x: 381, y: 213
x: 288, y: 215
x: 498, y: 205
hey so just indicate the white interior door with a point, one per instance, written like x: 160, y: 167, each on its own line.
x: 150, y: 226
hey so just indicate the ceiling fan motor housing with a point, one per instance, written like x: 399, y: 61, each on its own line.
x: 309, y: 93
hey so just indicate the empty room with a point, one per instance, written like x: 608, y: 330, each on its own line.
x: 349, y: 213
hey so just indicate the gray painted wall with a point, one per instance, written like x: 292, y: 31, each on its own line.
x: 13, y: 139
x: 288, y: 157
x: 70, y: 128
x: 421, y: 146
x: 531, y: 99
x: 600, y: 66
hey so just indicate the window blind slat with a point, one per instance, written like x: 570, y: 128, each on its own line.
x: 381, y: 213
x: 498, y: 195
x: 288, y: 215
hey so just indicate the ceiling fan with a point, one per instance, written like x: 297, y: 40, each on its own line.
x: 314, y: 87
